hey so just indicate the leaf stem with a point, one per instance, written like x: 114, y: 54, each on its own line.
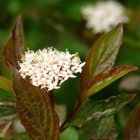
x: 76, y: 106
x: 51, y: 97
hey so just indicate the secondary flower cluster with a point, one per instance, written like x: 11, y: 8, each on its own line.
x: 49, y: 68
x: 104, y: 15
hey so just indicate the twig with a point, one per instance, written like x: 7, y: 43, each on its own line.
x: 76, y: 106
x: 51, y: 97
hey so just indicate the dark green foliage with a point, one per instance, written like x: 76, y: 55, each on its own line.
x: 103, y: 128
x: 91, y: 109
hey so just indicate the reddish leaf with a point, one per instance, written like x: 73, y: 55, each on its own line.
x: 102, y: 80
x: 102, y: 55
x: 132, y: 131
x: 34, y: 109
x: 14, y: 49
x: 4, y: 128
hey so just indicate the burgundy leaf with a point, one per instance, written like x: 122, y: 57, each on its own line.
x: 102, y: 55
x: 34, y: 109
x: 4, y: 128
x: 103, y: 79
x: 14, y: 49
x: 132, y: 131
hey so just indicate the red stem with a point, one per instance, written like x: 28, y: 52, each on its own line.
x: 77, y: 105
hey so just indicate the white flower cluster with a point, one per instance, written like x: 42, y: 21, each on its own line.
x: 49, y: 68
x: 104, y: 15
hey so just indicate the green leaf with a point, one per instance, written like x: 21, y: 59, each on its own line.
x: 14, y: 49
x: 5, y: 84
x: 7, y: 110
x: 34, y: 109
x: 99, y: 129
x: 69, y: 134
x: 90, y: 109
x: 20, y: 136
x: 104, y: 79
x: 102, y: 55
x: 61, y: 111
x: 133, y: 125
x: 4, y: 128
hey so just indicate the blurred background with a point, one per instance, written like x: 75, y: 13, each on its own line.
x: 63, y: 25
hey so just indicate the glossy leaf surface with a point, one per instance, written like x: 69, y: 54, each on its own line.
x: 91, y: 109
x: 69, y: 134
x: 102, y: 55
x: 104, y: 79
x: 99, y: 129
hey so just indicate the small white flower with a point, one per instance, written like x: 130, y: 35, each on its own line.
x: 49, y: 68
x: 104, y: 15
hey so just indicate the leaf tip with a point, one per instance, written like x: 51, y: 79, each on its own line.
x: 133, y: 68
x: 18, y: 24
